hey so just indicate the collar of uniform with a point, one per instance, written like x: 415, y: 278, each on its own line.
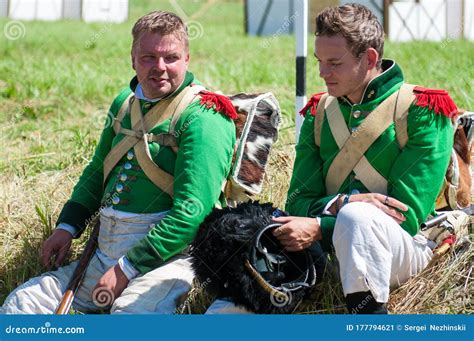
x: 140, y: 95
x: 188, y: 79
x: 379, y: 86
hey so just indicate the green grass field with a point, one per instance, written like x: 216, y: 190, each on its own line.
x: 58, y: 79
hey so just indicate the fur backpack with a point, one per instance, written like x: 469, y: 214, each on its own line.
x: 258, y: 118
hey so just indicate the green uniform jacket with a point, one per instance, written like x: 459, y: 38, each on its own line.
x: 415, y: 174
x: 206, y: 141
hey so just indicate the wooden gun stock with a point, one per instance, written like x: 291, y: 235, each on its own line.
x: 79, y: 272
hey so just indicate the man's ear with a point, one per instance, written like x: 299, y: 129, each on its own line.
x: 372, y: 58
x: 186, y: 59
x: 132, y: 55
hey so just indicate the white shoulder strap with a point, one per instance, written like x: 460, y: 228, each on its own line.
x: 318, y: 120
x: 124, y: 108
x: 405, y: 99
x: 352, y: 148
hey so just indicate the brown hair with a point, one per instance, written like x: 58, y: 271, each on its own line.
x: 356, y: 23
x: 163, y: 23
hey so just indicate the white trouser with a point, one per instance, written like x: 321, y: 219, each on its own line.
x: 157, y: 291
x: 374, y: 252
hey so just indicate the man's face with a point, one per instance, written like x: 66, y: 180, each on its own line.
x: 160, y: 63
x: 343, y: 73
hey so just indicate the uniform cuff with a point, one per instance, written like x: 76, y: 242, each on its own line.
x: 144, y: 257
x: 327, y: 229
x: 318, y: 219
x: 69, y: 228
x: 127, y: 268
x: 74, y: 214
x: 330, y: 202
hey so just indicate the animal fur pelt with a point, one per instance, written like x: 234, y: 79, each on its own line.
x: 223, y: 245
x: 456, y: 192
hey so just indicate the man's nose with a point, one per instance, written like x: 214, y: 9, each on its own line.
x: 160, y: 64
x: 324, y: 71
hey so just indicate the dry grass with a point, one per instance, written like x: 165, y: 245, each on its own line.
x: 29, y: 208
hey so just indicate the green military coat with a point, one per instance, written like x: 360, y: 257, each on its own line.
x: 415, y: 174
x: 206, y: 140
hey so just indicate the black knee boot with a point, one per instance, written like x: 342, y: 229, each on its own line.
x: 363, y: 302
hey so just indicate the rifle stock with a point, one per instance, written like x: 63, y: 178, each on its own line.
x: 79, y: 272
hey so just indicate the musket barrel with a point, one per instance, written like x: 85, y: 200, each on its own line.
x: 434, y: 221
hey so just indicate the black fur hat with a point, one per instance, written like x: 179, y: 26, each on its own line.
x: 236, y: 254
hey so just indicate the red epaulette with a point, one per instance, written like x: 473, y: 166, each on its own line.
x: 437, y: 100
x: 312, y: 104
x: 220, y: 103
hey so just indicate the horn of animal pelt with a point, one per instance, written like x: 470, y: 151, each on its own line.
x: 221, y: 250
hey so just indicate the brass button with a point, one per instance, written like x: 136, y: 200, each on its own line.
x: 130, y: 155
x: 147, y: 105
x: 356, y: 114
x: 115, y: 200
x: 371, y: 94
x: 119, y: 188
x: 123, y: 177
x: 127, y: 166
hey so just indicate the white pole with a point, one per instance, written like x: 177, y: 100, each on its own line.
x: 301, y: 32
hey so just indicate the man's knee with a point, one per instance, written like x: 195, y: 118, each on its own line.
x: 352, y: 219
x: 153, y: 293
x: 147, y: 303
x: 356, y: 213
x: 39, y: 295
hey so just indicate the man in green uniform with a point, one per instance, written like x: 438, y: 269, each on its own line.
x: 146, y: 222
x: 358, y: 184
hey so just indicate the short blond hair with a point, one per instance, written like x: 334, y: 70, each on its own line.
x: 356, y: 23
x: 163, y: 23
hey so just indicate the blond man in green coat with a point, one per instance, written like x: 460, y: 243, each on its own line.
x: 141, y: 264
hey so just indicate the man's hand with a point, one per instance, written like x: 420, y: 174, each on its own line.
x: 297, y: 233
x: 55, y: 248
x: 388, y: 205
x: 109, y: 286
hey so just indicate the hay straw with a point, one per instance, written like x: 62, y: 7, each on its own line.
x: 446, y: 287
